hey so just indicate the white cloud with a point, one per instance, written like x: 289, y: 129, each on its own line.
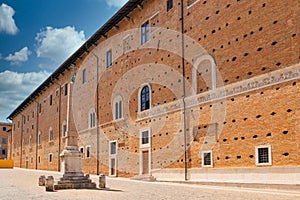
x: 19, y: 56
x: 58, y: 43
x: 15, y: 87
x: 115, y: 3
x: 7, y: 23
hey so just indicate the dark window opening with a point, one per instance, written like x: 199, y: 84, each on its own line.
x: 169, y: 5
x: 145, y: 98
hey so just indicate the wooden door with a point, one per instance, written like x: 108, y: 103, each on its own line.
x: 145, y: 155
x: 112, y: 166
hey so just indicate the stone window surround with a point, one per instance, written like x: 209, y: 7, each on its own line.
x: 139, y: 96
x: 269, y: 155
x: 211, y: 158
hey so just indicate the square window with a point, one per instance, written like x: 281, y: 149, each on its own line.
x: 145, y: 32
x: 113, y: 148
x: 207, y: 159
x: 4, y: 129
x: 145, y: 137
x: 263, y: 155
x: 108, y: 59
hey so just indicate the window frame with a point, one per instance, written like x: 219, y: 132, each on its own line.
x: 64, y: 129
x: 141, y: 98
x: 66, y: 89
x: 88, y: 151
x: 170, y: 5
x: 83, y: 76
x: 92, y: 123
x: 118, y: 108
x: 81, y: 149
x: 50, y: 134
x: 39, y: 138
x: 145, y: 32
x: 116, y: 148
x: 30, y: 141
x: 203, y: 158
x: 257, y: 158
x: 148, y: 144
x: 50, y: 157
x: 51, y: 100
x: 109, y: 58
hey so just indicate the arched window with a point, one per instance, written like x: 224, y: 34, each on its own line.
x: 118, y: 108
x: 50, y: 134
x: 92, y: 118
x: 145, y: 98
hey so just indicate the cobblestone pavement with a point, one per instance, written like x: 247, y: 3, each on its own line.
x: 23, y: 184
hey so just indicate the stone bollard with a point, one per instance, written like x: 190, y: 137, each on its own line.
x: 49, y: 183
x: 42, y: 180
x: 102, y: 181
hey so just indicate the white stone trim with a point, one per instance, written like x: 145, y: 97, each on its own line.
x: 193, y: 4
x: 211, y: 158
x: 139, y: 97
x: 117, y: 99
x: 196, y: 64
x: 269, y: 155
x: 113, y: 156
x: 145, y: 147
x: 230, y: 90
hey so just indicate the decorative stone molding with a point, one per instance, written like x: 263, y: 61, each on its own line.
x: 252, y: 84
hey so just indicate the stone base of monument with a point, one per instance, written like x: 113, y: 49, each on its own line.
x: 75, y: 182
x: 73, y: 177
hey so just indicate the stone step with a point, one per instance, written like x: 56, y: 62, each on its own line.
x: 144, y: 177
x: 68, y: 181
x: 63, y: 186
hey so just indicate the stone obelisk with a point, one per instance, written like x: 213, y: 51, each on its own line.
x: 73, y: 177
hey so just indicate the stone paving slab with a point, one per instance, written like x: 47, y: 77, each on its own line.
x: 23, y: 184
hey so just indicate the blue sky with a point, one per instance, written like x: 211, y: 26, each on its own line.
x: 37, y: 36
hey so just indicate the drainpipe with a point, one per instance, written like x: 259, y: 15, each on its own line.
x: 37, y: 135
x: 97, y: 114
x: 22, y: 121
x: 184, y: 91
x: 59, y: 126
